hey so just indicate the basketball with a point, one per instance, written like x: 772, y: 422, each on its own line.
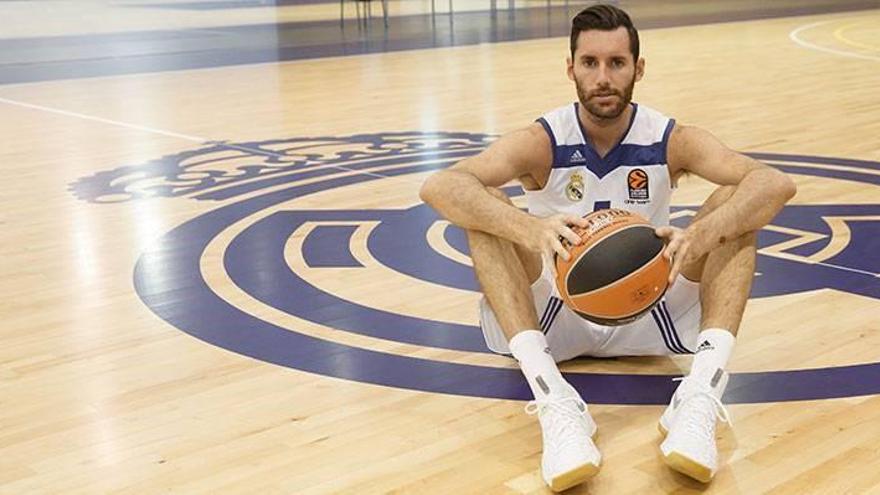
x: 618, y: 272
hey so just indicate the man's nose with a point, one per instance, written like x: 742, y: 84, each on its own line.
x: 602, y: 78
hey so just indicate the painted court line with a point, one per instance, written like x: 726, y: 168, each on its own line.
x: 161, y: 132
x: 794, y: 36
x: 102, y: 120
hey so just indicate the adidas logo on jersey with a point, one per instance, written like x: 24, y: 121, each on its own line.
x: 577, y: 157
x: 705, y: 346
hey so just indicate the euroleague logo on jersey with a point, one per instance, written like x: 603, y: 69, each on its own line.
x: 637, y: 183
x: 266, y: 273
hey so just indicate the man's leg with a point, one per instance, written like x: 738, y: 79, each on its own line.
x: 506, y: 272
x: 725, y: 275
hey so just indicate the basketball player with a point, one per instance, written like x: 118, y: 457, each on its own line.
x: 605, y: 151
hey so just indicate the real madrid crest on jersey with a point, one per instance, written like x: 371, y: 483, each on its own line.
x: 575, y: 188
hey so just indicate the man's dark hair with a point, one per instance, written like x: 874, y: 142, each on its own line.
x: 604, y: 17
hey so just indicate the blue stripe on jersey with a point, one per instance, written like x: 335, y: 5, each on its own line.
x: 547, y: 310
x: 635, y: 155
x: 628, y: 155
x: 673, y: 332
x: 662, y: 329
x: 666, y: 135
x: 667, y: 329
x: 547, y: 128
x: 549, y: 323
x: 552, y: 305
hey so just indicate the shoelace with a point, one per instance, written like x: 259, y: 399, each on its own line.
x: 703, y: 390
x: 558, y: 405
x: 705, y: 426
x: 561, y: 432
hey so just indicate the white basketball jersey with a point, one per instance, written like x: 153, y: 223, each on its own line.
x: 633, y: 175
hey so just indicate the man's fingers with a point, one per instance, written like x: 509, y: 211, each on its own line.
x: 570, y: 236
x: 676, y: 267
x: 678, y: 260
x: 671, y: 249
x: 579, y: 221
x: 571, y: 220
x: 560, y: 250
x: 664, y: 232
x: 676, y: 248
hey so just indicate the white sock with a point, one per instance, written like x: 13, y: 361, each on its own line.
x: 531, y: 350
x: 714, y: 346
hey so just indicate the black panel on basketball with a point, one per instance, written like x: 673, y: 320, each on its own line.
x: 613, y: 258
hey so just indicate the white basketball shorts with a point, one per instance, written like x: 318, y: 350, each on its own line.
x: 671, y: 327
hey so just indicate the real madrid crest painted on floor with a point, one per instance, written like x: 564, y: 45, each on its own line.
x: 295, y: 217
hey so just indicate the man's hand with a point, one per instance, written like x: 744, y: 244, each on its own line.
x: 682, y: 248
x: 545, y: 234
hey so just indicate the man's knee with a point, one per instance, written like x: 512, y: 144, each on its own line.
x: 748, y: 239
x: 477, y: 239
x: 479, y: 235
x: 694, y: 270
x: 716, y: 199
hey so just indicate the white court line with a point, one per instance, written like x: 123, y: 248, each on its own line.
x: 104, y: 121
x: 801, y: 259
x: 197, y: 139
x: 840, y: 267
x: 207, y: 141
x: 793, y: 35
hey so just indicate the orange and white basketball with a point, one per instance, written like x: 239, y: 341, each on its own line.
x: 618, y: 272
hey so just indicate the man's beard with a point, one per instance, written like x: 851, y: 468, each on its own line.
x: 600, y: 112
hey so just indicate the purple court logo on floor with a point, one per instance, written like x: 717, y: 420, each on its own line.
x: 284, y: 214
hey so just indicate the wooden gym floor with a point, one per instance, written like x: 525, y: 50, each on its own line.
x: 217, y: 276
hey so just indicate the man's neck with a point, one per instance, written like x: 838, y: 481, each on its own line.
x: 604, y: 134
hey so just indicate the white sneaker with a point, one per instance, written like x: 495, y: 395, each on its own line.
x: 689, y: 424
x: 570, y: 457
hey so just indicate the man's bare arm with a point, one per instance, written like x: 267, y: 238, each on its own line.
x: 761, y: 191
x: 459, y: 193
